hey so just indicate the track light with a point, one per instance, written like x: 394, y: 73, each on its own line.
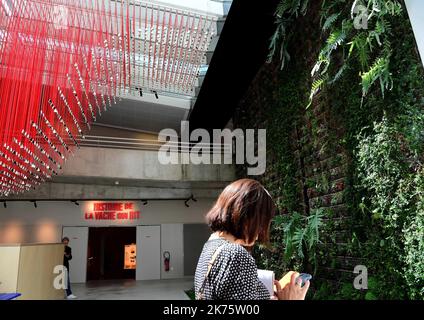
x: 191, y: 198
x: 156, y: 94
x: 35, y: 203
x: 75, y: 202
x: 4, y: 204
x: 144, y: 202
x: 141, y: 93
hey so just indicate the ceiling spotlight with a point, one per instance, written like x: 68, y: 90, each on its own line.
x: 5, y: 204
x: 117, y: 182
x: 156, y: 94
x: 141, y: 93
x: 75, y: 202
x: 35, y: 203
x: 144, y: 202
x: 191, y: 198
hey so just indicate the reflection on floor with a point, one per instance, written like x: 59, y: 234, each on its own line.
x: 172, y: 289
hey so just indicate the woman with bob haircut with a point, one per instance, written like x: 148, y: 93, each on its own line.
x: 226, y: 270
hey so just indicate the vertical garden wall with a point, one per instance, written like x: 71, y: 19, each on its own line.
x: 344, y: 149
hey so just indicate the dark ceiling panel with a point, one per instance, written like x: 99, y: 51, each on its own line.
x: 242, y: 49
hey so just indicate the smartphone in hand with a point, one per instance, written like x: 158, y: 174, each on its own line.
x: 302, y: 278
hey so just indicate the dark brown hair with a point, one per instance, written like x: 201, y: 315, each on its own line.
x: 244, y: 209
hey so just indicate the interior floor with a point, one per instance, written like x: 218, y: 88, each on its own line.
x: 173, y: 289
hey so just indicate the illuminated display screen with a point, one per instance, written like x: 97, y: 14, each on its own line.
x: 130, y: 260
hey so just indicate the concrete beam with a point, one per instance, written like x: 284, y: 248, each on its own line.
x: 106, y: 173
x: 69, y: 191
x: 139, y: 165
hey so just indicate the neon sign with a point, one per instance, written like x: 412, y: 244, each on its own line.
x: 112, y: 211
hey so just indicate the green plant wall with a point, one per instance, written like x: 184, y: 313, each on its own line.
x: 359, y: 160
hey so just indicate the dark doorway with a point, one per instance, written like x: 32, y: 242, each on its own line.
x: 106, y: 253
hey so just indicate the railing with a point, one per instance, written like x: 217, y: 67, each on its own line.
x: 150, y: 144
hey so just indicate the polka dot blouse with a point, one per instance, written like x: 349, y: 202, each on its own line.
x: 233, y: 276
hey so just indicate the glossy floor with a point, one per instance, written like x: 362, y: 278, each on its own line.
x: 133, y: 290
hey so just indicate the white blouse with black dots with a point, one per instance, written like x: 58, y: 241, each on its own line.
x: 233, y: 276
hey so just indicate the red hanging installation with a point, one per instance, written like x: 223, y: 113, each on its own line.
x: 64, y: 62
x: 60, y: 68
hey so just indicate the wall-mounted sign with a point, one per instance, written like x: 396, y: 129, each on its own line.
x: 130, y: 261
x: 112, y: 211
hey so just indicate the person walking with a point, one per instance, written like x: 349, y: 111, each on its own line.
x: 67, y: 256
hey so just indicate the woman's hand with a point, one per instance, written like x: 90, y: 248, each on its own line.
x: 293, y: 290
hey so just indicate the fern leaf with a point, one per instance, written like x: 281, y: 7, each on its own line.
x: 335, y: 39
x: 316, y: 87
x: 298, y: 239
x: 378, y: 71
x: 304, y: 7
x: 330, y: 21
x: 339, y: 73
x: 283, y: 7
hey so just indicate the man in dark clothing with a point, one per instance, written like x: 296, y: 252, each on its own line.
x: 67, y: 256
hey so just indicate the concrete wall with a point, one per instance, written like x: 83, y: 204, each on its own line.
x: 139, y: 165
x: 416, y: 15
x: 195, y: 236
x: 20, y: 222
x: 172, y: 241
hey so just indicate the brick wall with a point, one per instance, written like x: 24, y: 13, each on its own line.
x: 326, y: 169
x: 320, y: 164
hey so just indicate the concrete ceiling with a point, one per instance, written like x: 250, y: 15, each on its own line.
x: 157, y: 110
x: 145, y: 115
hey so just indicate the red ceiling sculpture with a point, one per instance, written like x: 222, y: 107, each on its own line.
x: 64, y: 62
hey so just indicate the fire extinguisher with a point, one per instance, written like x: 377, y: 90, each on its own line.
x: 166, y: 260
